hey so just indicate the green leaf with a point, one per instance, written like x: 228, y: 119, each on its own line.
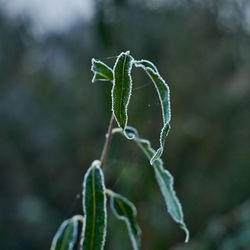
x: 164, y: 180
x: 102, y: 72
x: 122, y: 88
x: 164, y: 96
x: 94, y: 204
x: 66, y: 236
x: 126, y: 211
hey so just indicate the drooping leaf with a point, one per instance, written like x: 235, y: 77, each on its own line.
x: 95, y: 210
x: 102, y: 72
x: 122, y: 87
x: 66, y: 235
x: 164, y: 180
x: 164, y: 96
x: 126, y: 211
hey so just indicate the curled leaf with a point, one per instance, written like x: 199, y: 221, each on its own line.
x: 94, y: 204
x: 66, y: 235
x: 164, y: 96
x: 101, y: 71
x: 126, y: 211
x: 164, y: 179
x: 122, y: 88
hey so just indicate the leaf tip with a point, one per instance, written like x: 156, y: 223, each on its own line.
x: 187, y: 233
x: 96, y: 163
x: 93, y: 60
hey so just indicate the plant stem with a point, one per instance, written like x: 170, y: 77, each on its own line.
x: 107, y: 141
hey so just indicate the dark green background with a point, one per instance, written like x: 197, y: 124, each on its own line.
x: 53, y: 122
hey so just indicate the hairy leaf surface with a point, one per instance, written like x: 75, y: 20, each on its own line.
x: 164, y: 180
x: 102, y: 72
x: 66, y: 235
x: 122, y: 87
x: 126, y: 211
x: 94, y: 204
x: 164, y: 96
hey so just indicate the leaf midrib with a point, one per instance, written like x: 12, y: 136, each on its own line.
x: 129, y: 221
x: 105, y: 76
x: 123, y: 69
x: 67, y: 231
x: 122, y: 208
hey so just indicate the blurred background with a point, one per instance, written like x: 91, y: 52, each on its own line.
x: 53, y: 120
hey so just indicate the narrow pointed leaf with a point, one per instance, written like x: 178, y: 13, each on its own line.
x: 126, y: 211
x: 66, y: 236
x: 164, y: 180
x: 122, y: 87
x: 164, y: 96
x: 102, y: 72
x: 94, y: 204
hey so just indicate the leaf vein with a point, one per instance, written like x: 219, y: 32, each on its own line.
x: 123, y: 73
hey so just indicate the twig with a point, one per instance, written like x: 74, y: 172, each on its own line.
x: 107, y: 141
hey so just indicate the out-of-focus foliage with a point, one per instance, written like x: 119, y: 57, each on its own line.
x: 227, y: 232
x: 53, y: 122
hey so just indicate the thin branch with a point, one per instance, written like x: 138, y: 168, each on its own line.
x: 107, y: 141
